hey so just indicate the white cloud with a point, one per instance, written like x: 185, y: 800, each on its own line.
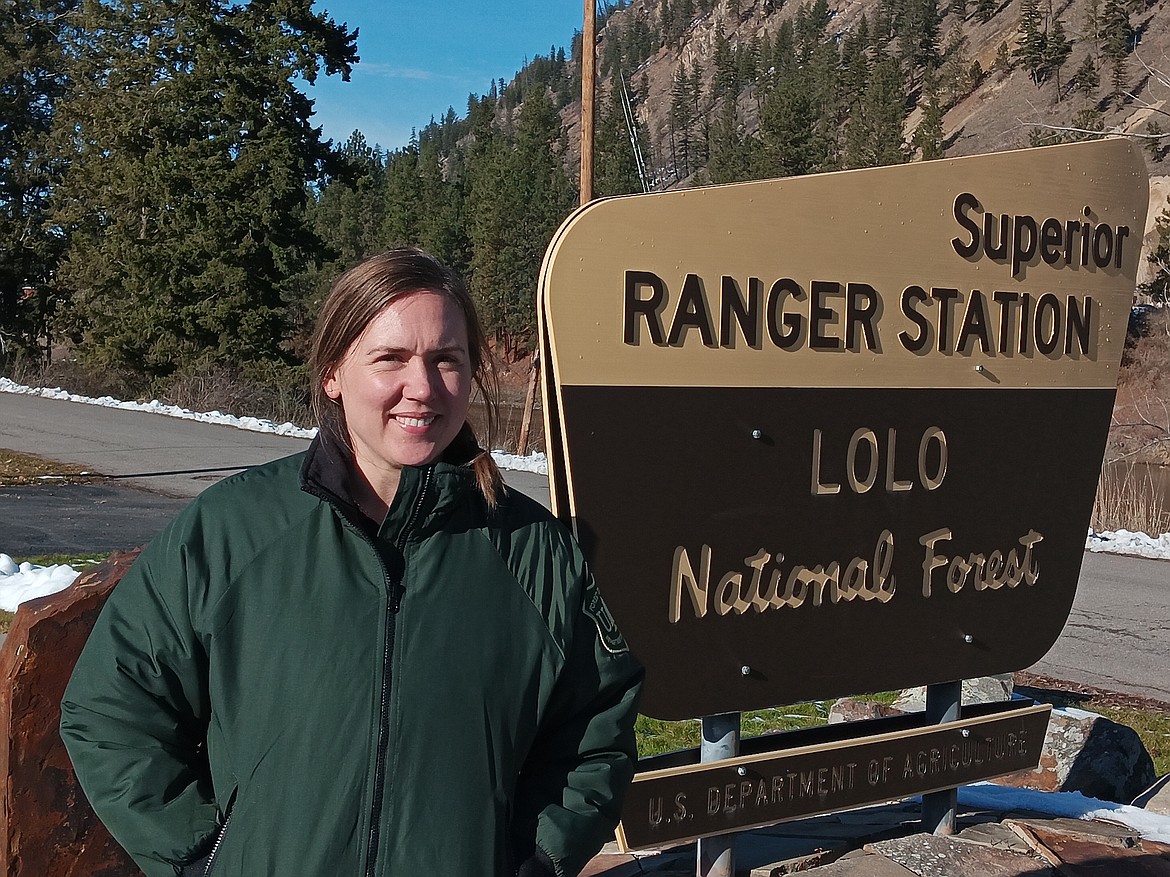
x: 393, y: 71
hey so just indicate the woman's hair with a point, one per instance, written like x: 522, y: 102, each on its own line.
x: 363, y: 292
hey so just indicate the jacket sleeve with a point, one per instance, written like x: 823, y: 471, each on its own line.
x: 134, y: 716
x: 573, y: 781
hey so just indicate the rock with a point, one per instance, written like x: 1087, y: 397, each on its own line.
x: 985, y: 689
x: 1157, y: 797
x: 929, y: 855
x: 47, y: 828
x: 846, y: 709
x: 1087, y: 753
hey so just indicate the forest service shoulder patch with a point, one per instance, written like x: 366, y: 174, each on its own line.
x: 607, y: 629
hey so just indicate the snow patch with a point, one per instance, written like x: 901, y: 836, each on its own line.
x: 1072, y: 805
x: 1125, y: 542
x: 20, y: 582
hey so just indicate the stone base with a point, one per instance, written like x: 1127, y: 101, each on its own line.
x: 47, y: 828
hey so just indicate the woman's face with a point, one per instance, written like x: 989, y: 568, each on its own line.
x: 405, y: 385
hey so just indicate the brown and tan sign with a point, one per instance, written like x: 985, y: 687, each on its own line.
x: 686, y: 801
x: 841, y: 433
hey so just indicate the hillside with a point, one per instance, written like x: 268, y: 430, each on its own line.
x: 1004, y: 110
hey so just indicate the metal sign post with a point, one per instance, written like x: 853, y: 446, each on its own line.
x: 943, y: 702
x: 716, y: 855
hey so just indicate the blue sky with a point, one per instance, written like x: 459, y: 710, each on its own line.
x: 418, y: 58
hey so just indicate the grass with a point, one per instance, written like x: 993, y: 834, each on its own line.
x: 21, y: 470
x: 74, y: 560
x: 656, y: 736
x: 1152, y: 726
x: 1150, y: 722
x: 1128, y: 498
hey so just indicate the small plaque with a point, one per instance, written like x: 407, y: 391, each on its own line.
x: 687, y: 801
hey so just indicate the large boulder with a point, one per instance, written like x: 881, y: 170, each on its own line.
x: 1087, y: 753
x: 47, y: 828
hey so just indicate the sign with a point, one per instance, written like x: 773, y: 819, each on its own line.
x: 840, y: 433
x: 689, y: 801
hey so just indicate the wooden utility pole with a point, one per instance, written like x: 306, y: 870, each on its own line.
x: 588, y: 97
x: 588, y: 101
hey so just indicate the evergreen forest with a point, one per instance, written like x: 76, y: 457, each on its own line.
x: 167, y: 203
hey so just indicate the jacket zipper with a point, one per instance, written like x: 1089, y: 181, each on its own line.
x: 392, y: 607
x: 218, y: 842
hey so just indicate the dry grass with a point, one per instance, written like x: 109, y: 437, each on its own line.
x: 1133, y: 490
x: 17, y: 470
x: 1129, y: 498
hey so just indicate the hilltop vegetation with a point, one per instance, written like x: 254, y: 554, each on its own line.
x: 168, y: 211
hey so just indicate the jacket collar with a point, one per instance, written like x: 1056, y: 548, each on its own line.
x: 426, y: 496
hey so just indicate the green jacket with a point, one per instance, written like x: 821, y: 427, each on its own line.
x: 445, y: 694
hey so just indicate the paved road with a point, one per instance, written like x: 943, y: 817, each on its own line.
x: 163, y: 454
x: 154, y: 466
x: 1118, y: 636
x: 80, y: 519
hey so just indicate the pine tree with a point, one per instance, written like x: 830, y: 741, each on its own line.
x: 402, y: 196
x: 854, y: 67
x: 747, y: 60
x: 190, y: 153
x: 1033, y: 42
x: 1154, y: 143
x: 1116, y: 39
x: 1158, y: 286
x: 518, y: 197
x: 682, y: 124
x: 665, y: 20
x: 928, y: 136
x: 440, y: 222
x: 1003, y: 60
x: 730, y: 157
x: 918, y: 35
x: 615, y: 168
x: 1092, y: 23
x: 986, y: 9
x: 1056, y: 52
x: 356, y: 227
x: 954, y: 75
x: 32, y: 81
x: 1086, y: 79
x: 873, y: 136
x: 726, y: 69
x: 789, y: 144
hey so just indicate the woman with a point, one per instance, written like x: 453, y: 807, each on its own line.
x: 367, y: 659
